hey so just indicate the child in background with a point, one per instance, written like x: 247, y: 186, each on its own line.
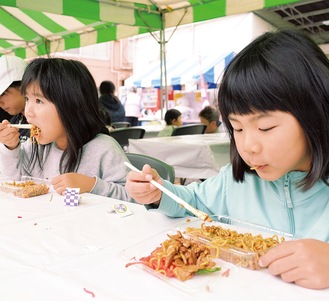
x: 73, y: 148
x: 173, y: 119
x: 11, y: 99
x: 274, y: 101
x: 210, y: 116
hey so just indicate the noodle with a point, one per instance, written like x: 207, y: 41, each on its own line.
x: 29, y: 189
x: 238, y: 248
x: 34, y: 134
x: 179, y: 257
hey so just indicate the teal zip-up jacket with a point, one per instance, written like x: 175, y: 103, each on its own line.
x: 279, y: 204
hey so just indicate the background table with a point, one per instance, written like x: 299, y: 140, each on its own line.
x: 193, y: 156
x: 53, y: 252
x: 151, y: 130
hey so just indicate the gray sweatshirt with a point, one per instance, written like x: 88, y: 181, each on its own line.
x: 102, y: 158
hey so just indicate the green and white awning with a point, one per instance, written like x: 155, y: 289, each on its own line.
x: 30, y: 28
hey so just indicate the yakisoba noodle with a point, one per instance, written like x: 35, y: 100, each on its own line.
x: 179, y: 257
x: 238, y: 248
x: 29, y: 189
x: 34, y: 134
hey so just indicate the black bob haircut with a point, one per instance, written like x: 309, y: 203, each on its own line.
x: 281, y: 71
x: 172, y: 114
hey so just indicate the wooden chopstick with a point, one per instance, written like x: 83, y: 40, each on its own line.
x: 184, y: 204
x: 23, y: 126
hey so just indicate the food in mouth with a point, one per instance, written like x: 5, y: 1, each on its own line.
x: 34, y: 134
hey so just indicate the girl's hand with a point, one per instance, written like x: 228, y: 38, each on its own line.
x: 9, y: 136
x: 304, y: 262
x: 139, y: 187
x: 73, y: 180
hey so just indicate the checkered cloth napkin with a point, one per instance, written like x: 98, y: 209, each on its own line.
x: 72, y: 196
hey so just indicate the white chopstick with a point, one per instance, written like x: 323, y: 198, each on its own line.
x: 184, y: 204
x: 23, y: 126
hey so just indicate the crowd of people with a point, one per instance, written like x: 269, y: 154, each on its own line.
x: 274, y: 102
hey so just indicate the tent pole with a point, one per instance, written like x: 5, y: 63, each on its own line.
x: 163, y: 69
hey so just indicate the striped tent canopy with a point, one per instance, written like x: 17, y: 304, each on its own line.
x: 185, y: 71
x: 30, y: 28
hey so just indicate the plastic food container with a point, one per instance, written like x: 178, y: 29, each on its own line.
x: 234, y: 241
x: 27, y: 187
x: 195, y: 284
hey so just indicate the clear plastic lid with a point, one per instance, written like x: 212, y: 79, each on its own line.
x: 27, y: 187
x: 194, y: 284
x: 232, y: 240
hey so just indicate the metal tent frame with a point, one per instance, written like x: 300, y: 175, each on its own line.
x: 34, y: 28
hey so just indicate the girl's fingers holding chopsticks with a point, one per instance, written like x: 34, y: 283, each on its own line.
x: 140, y: 196
x: 139, y: 187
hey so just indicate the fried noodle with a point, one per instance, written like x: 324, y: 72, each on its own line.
x: 179, y: 257
x: 34, y: 134
x: 29, y: 189
x: 221, y: 240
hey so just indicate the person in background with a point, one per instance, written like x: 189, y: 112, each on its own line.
x: 133, y: 105
x: 106, y: 117
x: 11, y: 100
x: 210, y: 116
x: 73, y: 147
x: 110, y: 103
x: 274, y: 101
x: 173, y: 118
x: 4, y: 115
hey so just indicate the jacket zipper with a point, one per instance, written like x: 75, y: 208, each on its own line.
x: 289, y: 203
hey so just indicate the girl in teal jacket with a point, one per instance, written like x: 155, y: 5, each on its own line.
x: 274, y: 101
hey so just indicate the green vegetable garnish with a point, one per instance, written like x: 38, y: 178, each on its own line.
x: 208, y: 270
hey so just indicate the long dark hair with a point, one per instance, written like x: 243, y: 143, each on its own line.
x: 69, y: 85
x: 284, y: 71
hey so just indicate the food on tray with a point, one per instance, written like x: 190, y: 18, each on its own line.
x: 238, y: 248
x: 34, y: 134
x: 180, y: 258
x: 27, y: 189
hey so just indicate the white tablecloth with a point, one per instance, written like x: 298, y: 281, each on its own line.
x: 193, y: 156
x: 151, y: 130
x: 53, y: 252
